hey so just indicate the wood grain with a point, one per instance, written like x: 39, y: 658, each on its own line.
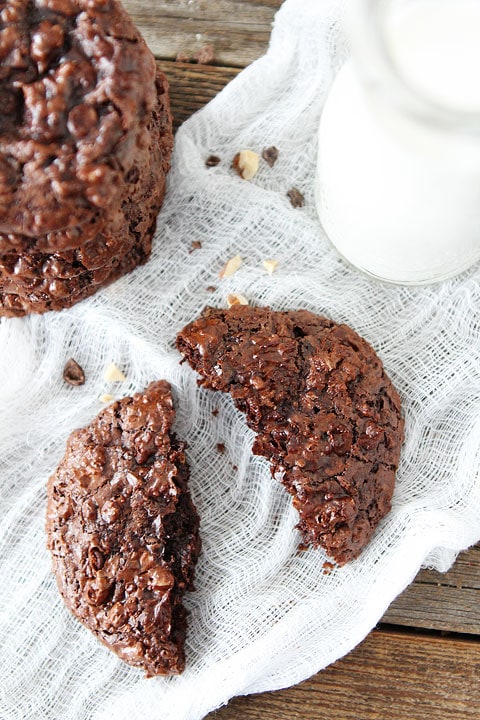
x: 390, y: 676
x: 192, y: 86
x: 238, y: 30
x: 442, y: 601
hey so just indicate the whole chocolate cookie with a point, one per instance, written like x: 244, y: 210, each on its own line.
x: 123, y: 530
x: 35, y: 281
x: 325, y: 413
x: 77, y: 90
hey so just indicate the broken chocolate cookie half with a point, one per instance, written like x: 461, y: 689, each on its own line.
x: 123, y: 531
x: 326, y: 415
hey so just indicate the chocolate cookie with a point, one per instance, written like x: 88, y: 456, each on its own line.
x: 85, y: 145
x: 123, y: 530
x: 34, y: 281
x: 325, y: 413
x: 77, y: 90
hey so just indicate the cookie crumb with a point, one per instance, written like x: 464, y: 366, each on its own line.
x: 270, y: 155
x: 236, y: 299
x: 114, y: 374
x: 231, y: 267
x: 215, y: 412
x: 327, y: 568
x: 73, y: 373
x: 196, y: 245
x: 296, y: 197
x: 204, y: 56
x: 210, y: 288
x: 270, y: 266
x: 221, y: 448
x: 213, y: 161
x: 183, y: 57
x: 106, y: 398
x: 246, y: 164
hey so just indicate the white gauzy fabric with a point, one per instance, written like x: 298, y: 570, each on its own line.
x: 264, y: 615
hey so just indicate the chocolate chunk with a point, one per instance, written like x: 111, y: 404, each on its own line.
x: 73, y: 374
x: 325, y: 413
x: 123, y: 530
x: 270, y: 155
x: 296, y: 198
x: 212, y: 161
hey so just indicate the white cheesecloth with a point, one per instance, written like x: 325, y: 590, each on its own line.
x: 264, y: 615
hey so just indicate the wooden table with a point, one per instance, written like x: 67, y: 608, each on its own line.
x: 423, y: 660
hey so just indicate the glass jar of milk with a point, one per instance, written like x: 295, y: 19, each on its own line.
x: 398, y: 176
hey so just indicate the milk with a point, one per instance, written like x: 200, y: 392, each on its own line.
x: 435, y: 44
x: 399, y: 196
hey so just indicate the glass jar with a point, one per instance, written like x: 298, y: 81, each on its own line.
x: 398, y: 174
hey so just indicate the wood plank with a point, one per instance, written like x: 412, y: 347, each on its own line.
x: 465, y: 573
x: 238, y: 30
x: 391, y: 675
x: 442, y: 601
x: 192, y: 86
x: 436, y: 607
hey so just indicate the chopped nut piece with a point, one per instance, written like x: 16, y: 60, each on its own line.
x: 73, y: 374
x: 296, y: 198
x: 204, y: 56
x: 270, y: 155
x: 196, y: 245
x: 106, y: 398
x: 213, y: 161
x: 270, y: 266
x: 236, y: 299
x: 246, y: 164
x: 231, y: 267
x: 114, y: 374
